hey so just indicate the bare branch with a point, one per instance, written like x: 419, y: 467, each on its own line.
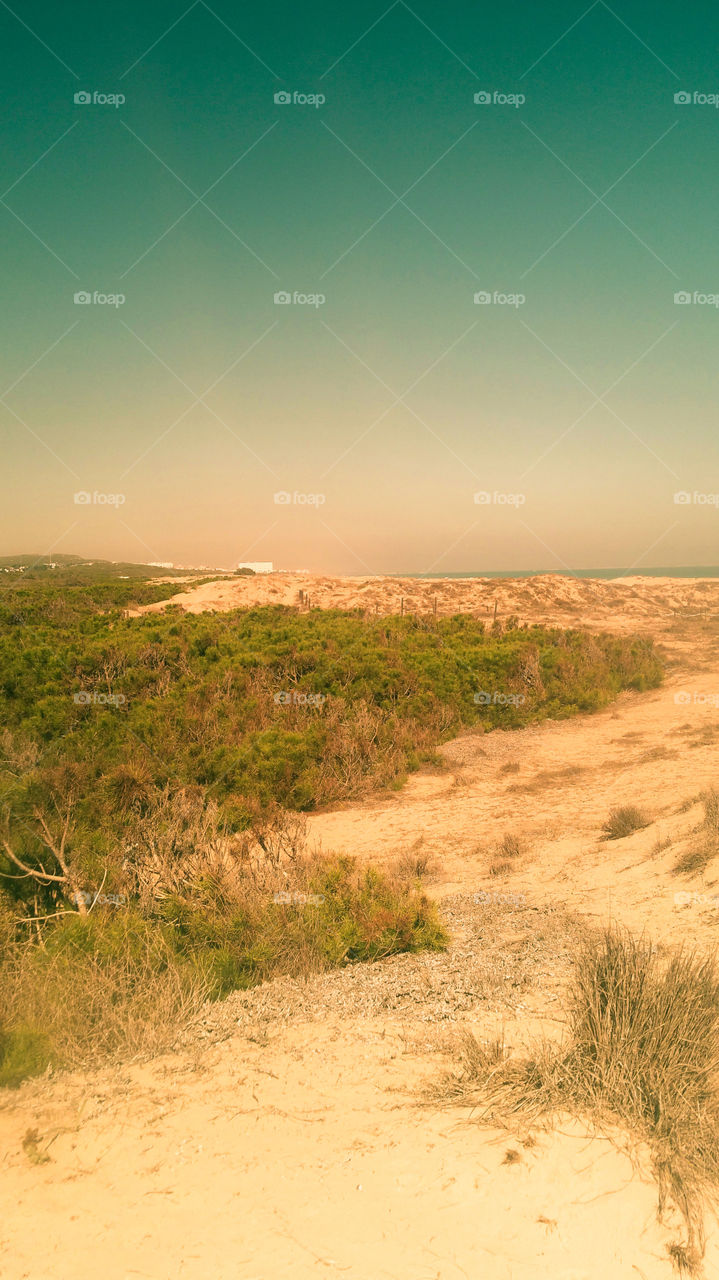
x: 42, y: 874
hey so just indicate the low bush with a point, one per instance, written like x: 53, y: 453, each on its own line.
x: 125, y: 980
x: 623, y: 821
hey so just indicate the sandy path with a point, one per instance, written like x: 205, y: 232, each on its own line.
x: 308, y: 1156
x: 295, y: 1145
x: 646, y: 750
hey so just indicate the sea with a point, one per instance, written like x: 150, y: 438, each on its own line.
x: 672, y: 571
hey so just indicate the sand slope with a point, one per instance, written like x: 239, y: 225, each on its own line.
x: 290, y: 1135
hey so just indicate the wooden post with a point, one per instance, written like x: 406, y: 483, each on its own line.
x: 401, y: 606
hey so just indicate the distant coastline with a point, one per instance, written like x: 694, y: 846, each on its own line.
x: 691, y: 571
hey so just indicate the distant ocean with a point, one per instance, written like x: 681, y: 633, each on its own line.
x: 683, y: 571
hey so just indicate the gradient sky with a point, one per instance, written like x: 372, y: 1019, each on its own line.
x: 199, y: 398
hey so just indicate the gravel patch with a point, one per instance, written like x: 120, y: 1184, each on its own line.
x: 498, y: 955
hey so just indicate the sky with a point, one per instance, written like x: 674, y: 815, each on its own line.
x: 447, y: 303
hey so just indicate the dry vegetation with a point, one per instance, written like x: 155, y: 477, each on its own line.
x: 705, y: 847
x: 224, y: 917
x: 641, y: 1050
x: 624, y: 821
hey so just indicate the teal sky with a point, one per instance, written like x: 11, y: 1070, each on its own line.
x: 581, y: 411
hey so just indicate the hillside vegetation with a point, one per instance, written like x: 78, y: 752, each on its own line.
x: 149, y: 768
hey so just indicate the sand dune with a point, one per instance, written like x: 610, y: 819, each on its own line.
x: 624, y: 603
x: 291, y: 1134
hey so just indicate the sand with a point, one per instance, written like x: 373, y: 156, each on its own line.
x: 291, y: 1134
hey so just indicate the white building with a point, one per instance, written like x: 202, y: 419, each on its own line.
x: 257, y: 566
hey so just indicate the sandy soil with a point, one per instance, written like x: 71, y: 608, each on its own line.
x: 291, y: 1134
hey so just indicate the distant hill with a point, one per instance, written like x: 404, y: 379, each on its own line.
x: 79, y: 570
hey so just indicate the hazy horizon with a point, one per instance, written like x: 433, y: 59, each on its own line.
x: 600, y: 571
x: 399, y: 421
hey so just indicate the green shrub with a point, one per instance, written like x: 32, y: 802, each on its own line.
x: 23, y: 1053
x: 198, y: 711
x: 122, y: 980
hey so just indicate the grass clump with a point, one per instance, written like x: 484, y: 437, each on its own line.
x: 700, y: 853
x: 511, y: 846
x: 623, y: 821
x: 127, y: 980
x: 23, y: 1052
x: 642, y: 1050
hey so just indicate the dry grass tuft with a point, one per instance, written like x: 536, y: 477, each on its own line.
x: 686, y: 1263
x: 699, y: 854
x: 642, y: 1049
x: 500, y: 868
x: 624, y: 821
x: 511, y: 846
x: 73, y: 1005
x: 417, y: 864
